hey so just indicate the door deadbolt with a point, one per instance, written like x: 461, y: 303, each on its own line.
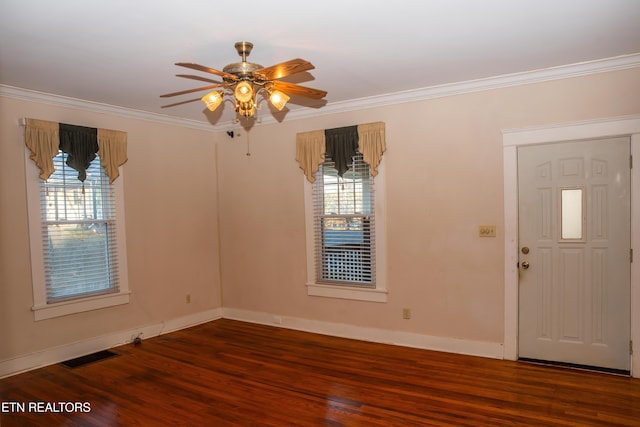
x: 525, y: 250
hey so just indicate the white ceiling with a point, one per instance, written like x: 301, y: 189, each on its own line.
x: 122, y: 52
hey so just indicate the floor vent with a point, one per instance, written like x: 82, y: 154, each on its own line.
x: 89, y: 358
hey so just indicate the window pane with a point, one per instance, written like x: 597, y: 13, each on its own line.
x: 78, y: 259
x: 572, y: 204
x: 78, y: 233
x: 344, y: 224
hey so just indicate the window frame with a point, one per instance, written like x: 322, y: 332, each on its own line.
x: 376, y: 293
x: 41, y: 309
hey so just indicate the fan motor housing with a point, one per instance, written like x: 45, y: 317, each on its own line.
x: 242, y: 69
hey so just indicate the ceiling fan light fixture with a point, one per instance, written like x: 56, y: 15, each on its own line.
x: 243, y: 92
x: 278, y: 99
x: 213, y: 100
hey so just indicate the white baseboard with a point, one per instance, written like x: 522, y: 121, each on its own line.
x: 61, y: 353
x: 64, y: 352
x: 384, y: 336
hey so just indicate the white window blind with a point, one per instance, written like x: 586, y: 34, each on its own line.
x: 78, y: 232
x: 344, y: 224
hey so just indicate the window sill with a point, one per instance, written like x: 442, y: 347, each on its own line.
x: 49, y: 311
x: 347, y: 292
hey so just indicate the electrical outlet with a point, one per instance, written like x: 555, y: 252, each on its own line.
x: 187, y: 298
x: 406, y: 313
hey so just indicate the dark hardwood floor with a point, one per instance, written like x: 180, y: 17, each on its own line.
x: 229, y: 373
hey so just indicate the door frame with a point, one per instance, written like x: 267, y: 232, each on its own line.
x: 514, y: 138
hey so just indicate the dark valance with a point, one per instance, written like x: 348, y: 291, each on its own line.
x: 341, y: 146
x: 81, y: 145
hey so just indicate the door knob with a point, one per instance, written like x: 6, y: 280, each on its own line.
x: 525, y: 265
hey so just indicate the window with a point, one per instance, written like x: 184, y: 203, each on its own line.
x: 77, y: 240
x: 343, y: 219
x: 572, y: 219
x: 345, y: 234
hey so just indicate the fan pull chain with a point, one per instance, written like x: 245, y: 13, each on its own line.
x: 248, y: 145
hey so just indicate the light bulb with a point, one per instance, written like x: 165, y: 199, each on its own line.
x: 278, y: 99
x: 244, y: 92
x: 212, y: 100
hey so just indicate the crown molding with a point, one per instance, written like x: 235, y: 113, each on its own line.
x: 451, y: 89
x: 96, y: 107
x: 490, y: 83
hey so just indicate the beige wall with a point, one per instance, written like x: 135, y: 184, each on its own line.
x: 171, y: 224
x: 444, y: 179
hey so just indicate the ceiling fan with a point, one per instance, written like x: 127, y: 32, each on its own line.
x: 245, y: 80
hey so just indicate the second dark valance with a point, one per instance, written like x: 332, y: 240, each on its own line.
x: 341, y: 146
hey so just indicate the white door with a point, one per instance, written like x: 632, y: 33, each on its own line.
x: 574, y: 241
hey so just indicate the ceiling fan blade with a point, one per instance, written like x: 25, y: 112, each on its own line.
x: 204, y: 79
x: 207, y: 70
x: 293, y: 89
x: 284, y: 69
x: 182, y: 92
